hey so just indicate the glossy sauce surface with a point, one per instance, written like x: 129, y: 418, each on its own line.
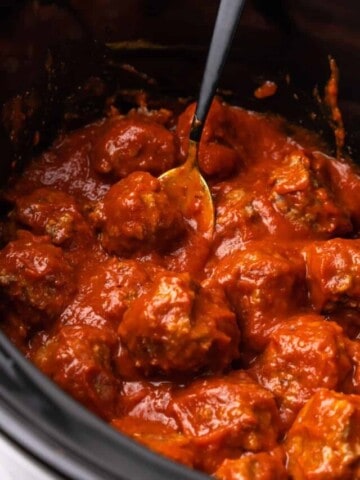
x: 238, y: 356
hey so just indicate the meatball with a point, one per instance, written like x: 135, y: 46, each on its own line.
x: 126, y: 145
x: 352, y: 383
x: 254, y: 466
x: 303, y: 355
x: 177, y: 327
x: 238, y: 221
x: 345, y: 182
x: 147, y: 401
x: 37, y: 274
x: 106, y: 292
x: 324, y: 441
x: 136, y: 214
x: 227, y: 412
x: 333, y: 273
x: 53, y: 213
x: 217, y: 155
x: 79, y: 360
x: 250, y: 279
x: 302, y: 196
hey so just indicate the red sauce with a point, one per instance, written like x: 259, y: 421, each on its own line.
x: 266, y: 89
x: 240, y: 356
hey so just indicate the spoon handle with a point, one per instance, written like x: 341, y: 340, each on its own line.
x: 224, y: 30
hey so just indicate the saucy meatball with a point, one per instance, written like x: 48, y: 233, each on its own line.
x: 130, y: 144
x: 56, y: 214
x: 254, y: 466
x: 324, y: 441
x: 333, y: 273
x: 105, y: 295
x: 136, y: 214
x: 303, y: 198
x: 227, y: 412
x: 238, y: 220
x: 79, y: 360
x: 178, y: 327
x: 303, y: 355
x: 250, y: 278
x: 345, y: 182
x: 36, y: 273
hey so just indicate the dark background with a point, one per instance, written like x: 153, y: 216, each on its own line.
x: 47, y: 53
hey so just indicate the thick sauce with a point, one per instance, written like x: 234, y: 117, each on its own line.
x: 240, y: 356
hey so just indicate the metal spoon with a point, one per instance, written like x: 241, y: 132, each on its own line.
x: 185, y: 184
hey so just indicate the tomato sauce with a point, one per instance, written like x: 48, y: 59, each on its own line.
x: 238, y: 356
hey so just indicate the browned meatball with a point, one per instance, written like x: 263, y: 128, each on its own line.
x: 53, y: 213
x: 126, y: 145
x: 333, y: 272
x: 178, y: 328
x: 136, y: 214
x: 324, y: 441
x: 250, y: 279
x: 254, y: 466
x: 79, y: 360
x: 37, y: 274
x: 304, y: 354
x: 238, y: 220
x: 227, y: 412
x: 301, y: 195
x: 106, y: 293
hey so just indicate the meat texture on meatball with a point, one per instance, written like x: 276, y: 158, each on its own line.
x: 254, y: 466
x: 333, y: 273
x: 37, y: 274
x: 300, y: 193
x: 178, y: 327
x: 125, y: 145
x: 50, y: 212
x: 79, y: 360
x: 106, y: 293
x: 324, y: 441
x: 251, y: 277
x: 137, y: 215
x: 304, y: 354
x: 225, y: 414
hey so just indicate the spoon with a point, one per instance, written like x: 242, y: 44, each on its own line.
x: 185, y: 185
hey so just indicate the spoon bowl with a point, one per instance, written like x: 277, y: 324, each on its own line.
x: 186, y: 186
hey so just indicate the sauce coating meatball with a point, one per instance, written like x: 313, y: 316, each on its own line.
x: 333, y: 270
x: 36, y: 273
x: 136, y: 214
x: 324, y: 441
x: 230, y: 412
x: 251, y: 277
x: 79, y: 360
x: 178, y: 327
x: 53, y: 213
x: 254, y: 466
x: 293, y: 369
x: 126, y: 145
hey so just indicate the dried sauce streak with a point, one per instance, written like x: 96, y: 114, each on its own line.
x: 242, y: 361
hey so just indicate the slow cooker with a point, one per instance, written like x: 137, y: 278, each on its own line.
x: 48, y: 52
